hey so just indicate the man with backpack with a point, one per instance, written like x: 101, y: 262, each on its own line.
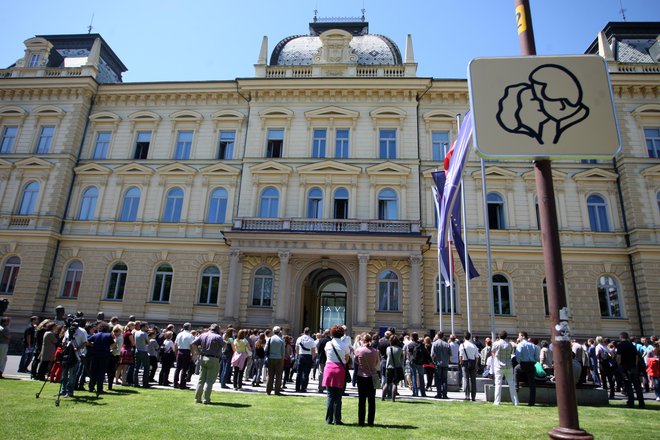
x: 417, y: 355
x: 468, y: 355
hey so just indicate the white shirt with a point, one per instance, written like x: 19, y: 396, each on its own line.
x: 305, y: 344
x: 184, y: 340
x: 339, y: 347
x: 80, y: 336
x: 469, y: 351
x: 453, y: 359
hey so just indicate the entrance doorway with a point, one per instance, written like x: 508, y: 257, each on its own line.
x: 324, y: 300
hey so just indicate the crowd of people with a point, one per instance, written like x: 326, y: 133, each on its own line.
x: 88, y: 355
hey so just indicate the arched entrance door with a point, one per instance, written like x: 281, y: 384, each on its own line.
x: 324, y: 299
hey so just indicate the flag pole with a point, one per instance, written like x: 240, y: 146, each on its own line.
x: 440, y: 280
x: 451, y: 283
x: 491, y: 305
x: 465, y: 242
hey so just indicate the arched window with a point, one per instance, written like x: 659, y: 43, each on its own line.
x: 315, y: 203
x: 545, y: 298
x: 72, y: 277
x: 162, y: 283
x: 88, y: 203
x: 262, y: 287
x: 597, y: 207
x: 608, y: 297
x: 208, y: 291
x: 29, y: 199
x: 117, y: 282
x: 9, y: 275
x: 269, y: 203
x: 388, y: 292
x: 442, y: 289
x: 173, y: 205
x: 501, y: 295
x: 217, y: 206
x: 388, y: 205
x: 340, y: 208
x: 495, y: 211
x: 129, y: 209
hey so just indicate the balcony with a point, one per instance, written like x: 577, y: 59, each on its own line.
x: 327, y: 226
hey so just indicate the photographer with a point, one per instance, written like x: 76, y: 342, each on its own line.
x: 70, y: 359
x: 78, y: 336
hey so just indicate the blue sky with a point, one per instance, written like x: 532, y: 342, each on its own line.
x: 168, y: 40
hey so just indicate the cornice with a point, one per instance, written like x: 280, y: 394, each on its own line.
x: 171, y: 97
x: 636, y: 90
x: 50, y: 94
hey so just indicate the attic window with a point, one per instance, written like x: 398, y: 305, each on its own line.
x: 35, y: 60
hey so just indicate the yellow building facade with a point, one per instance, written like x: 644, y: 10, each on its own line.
x: 302, y: 196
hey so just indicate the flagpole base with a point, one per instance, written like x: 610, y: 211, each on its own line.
x: 560, y: 433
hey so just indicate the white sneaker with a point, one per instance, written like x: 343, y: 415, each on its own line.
x: 657, y: 399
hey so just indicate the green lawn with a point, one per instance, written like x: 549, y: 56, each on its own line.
x: 128, y: 413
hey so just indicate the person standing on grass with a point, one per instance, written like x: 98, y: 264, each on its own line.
x: 334, y: 375
x: 241, y: 348
x: 141, y: 355
x: 628, y: 358
x: 100, y: 345
x: 502, y: 351
x: 440, y: 353
x: 526, y: 357
x: 167, y: 357
x: 258, y: 358
x: 367, y: 360
x: 5, y: 337
x: 653, y: 370
x: 209, y: 344
x: 275, y: 350
x: 183, y: 356
x: 393, y: 368
x: 28, y: 345
x: 320, y: 349
x: 305, y: 353
x: 468, y: 357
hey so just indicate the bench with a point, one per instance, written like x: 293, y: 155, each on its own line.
x: 545, y: 394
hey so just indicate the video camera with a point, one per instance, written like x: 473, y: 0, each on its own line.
x: 73, y: 322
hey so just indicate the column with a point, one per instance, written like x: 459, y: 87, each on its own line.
x: 283, y: 292
x: 415, y: 291
x: 233, y: 284
x: 363, y: 260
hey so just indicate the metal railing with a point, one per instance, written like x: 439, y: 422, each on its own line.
x: 327, y: 225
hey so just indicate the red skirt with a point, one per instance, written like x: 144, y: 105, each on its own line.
x: 334, y: 375
x: 125, y: 357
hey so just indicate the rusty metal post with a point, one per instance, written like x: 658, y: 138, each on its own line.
x: 569, y: 426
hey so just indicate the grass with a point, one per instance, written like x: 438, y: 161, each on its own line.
x: 128, y: 413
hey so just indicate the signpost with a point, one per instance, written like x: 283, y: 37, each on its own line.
x: 542, y: 108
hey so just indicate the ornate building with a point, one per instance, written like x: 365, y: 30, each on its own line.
x: 302, y: 196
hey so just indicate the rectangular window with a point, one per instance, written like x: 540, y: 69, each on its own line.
x: 183, y: 145
x: 34, y: 60
x: 8, y: 139
x: 387, y: 143
x: 652, y: 136
x: 102, y: 145
x: 439, y: 144
x: 275, y: 142
x: 318, y: 142
x: 226, y: 145
x: 45, y: 139
x: 341, y: 143
x: 142, y: 141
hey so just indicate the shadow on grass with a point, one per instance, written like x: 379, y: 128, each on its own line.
x: 414, y: 402
x: 381, y: 425
x: 122, y: 391
x: 230, y: 405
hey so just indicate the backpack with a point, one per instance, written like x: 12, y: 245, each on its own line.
x: 418, y: 354
x: 69, y: 357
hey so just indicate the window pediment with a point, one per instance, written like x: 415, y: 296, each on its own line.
x: 496, y: 173
x: 276, y: 113
x: 388, y: 113
x: 651, y: 172
x: 33, y: 163
x: 439, y: 116
x: 92, y: 169
x: 176, y: 169
x: 5, y: 165
x: 331, y: 112
x: 647, y: 111
x: 105, y: 118
x: 388, y: 169
x: 595, y: 175
x: 187, y: 115
x: 220, y: 170
x: 134, y: 169
x: 557, y: 176
x: 271, y: 167
x: 12, y: 111
x: 329, y: 167
x: 49, y: 111
x: 144, y: 117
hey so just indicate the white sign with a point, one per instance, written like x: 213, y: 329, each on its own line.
x: 543, y: 108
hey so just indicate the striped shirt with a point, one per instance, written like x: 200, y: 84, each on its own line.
x: 502, y: 351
